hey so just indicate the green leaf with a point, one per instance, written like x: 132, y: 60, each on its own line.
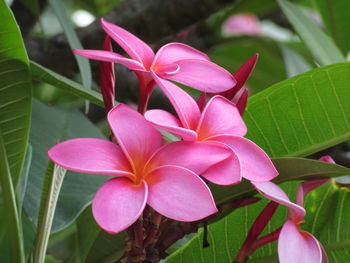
x: 227, y: 235
x: 302, y: 115
x: 269, y: 69
x: 319, y: 44
x: 12, y: 222
x: 289, y: 169
x: 295, y: 63
x: 51, y: 190
x: 95, y: 245
x: 22, y: 185
x: 335, y: 16
x: 73, y: 40
x: 51, y: 125
x: 15, y: 93
x: 45, y: 75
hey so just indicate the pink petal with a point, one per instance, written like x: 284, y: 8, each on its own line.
x: 184, y: 104
x: 109, y: 56
x: 256, y: 165
x: 118, y: 204
x: 324, y: 254
x: 220, y: 117
x: 306, y: 187
x: 195, y: 156
x: 136, y: 136
x: 241, y: 76
x: 168, y: 122
x: 203, y: 75
x: 89, y: 155
x: 173, y: 52
x: 296, y: 246
x: 327, y: 158
x: 276, y: 194
x: 135, y: 47
x: 227, y: 172
x: 179, y: 194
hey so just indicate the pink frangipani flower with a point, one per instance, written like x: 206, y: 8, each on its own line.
x: 242, y: 24
x: 147, y: 172
x: 294, y: 244
x: 220, y: 121
x: 174, y: 61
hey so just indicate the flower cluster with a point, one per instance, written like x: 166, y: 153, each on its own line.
x: 171, y: 177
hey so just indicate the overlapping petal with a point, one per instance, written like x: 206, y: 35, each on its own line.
x: 226, y: 172
x: 138, y: 139
x: 255, y: 163
x: 172, y: 52
x: 202, y: 75
x: 179, y: 194
x: 135, y: 47
x: 109, y: 56
x: 219, y: 117
x: 90, y: 155
x: 195, y: 156
x: 118, y: 204
x: 276, y: 194
x: 296, y: 246
x: 183, y: 103
x: 168, y: 122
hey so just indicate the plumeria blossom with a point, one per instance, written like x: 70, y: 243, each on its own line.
x: 242, y: 24
x: 164, y: 177
x: 174, y: 61
x: 220, y: 121
x: 294, y: 244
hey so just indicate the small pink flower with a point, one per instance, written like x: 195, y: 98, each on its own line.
x: 164, y: 177
x: 174, y: 61
x: 220, y: 121
x: 294, y: 244
x: 243, y: 24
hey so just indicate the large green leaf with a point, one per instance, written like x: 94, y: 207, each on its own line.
x: 227, y: 235
x: 95, y: 245
x: 49, y: 126
x: 15, y: 92
x: 335, y: 15
x: 45, y: 75
x: 269, y: 69
x: 289, y: 169
x: 319, y: 44
x: 302, y: 115
x: 11, y: 221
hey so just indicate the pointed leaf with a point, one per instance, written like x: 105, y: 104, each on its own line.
x: 302, y: 115
x: 319, y: 44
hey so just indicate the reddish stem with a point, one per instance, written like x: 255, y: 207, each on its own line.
x: 256, y: 229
